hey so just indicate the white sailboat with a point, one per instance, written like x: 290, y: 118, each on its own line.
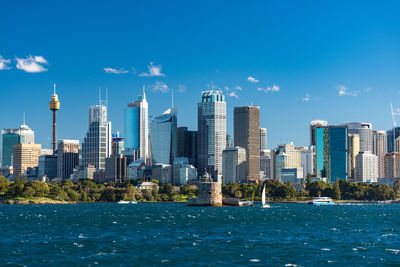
x: 263, y: 199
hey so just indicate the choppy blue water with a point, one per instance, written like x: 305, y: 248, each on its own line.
x: 174, y: 234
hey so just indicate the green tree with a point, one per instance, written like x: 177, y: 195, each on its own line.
x: 336, y: 189
x: 4, y: 184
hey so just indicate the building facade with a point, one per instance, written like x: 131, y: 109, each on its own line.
x: 380, y: 150
x: 365, y: 132
x: 366, y: 167
x: 392, y: 165
x: 211, y: 133
x: 116, y: 169
x: 25, y: 156
x: 263, y: 139
x: 96, y: 146
x: 354, y: 149
x: 234, y: 165
x: 247, y: 135
x: 163, y: 137
x: 187, y: 145
x: 67, y: 157
x: 22, y: 135
x: 331, y: 152
x: 137, y: 128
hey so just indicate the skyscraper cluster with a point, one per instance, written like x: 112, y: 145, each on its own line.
x: 154, y: 147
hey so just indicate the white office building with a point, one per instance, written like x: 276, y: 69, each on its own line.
x: 366, y: 167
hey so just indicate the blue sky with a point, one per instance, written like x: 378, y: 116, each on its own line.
x: 298, y: 60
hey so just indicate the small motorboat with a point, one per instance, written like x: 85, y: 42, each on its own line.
x: 127, y: 202
x: 322, y: 201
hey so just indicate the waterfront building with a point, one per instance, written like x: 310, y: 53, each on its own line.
x: 331, y: 152
x: 163, y: 137
x: 162, y: 173
x: 281, y: 162
x: 25, y: 156
x: 211, y: 133
x: 87, y: 172
x: 47, y: 166
x: 365, y: 132
x: 247, y: 135
x: 263, y: 139
x: 292, y: 175
x: 137, y: 128
x: 366, y: 167
x: 96, y: 146
x: 183, y: 172
x: 117, y: 144
x: 307, y: 162
x: 116, y: 169
x: 392, y: 165
x: 187, y: 145
x: 234, y: 165
x: 354, y: 149
x: 380, y: 150
x: 67, y: 157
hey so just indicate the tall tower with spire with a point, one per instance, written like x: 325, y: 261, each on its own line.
x: 54, y: 106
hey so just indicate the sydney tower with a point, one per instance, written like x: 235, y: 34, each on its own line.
x: 54, y: 106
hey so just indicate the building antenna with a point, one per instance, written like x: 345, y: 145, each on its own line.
x: 23, y: 122
x: 144, y: 92
x: 54, y: 88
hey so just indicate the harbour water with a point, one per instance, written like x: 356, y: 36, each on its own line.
x: 169, y: 234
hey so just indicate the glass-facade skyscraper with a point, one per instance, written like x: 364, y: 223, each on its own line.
x: 331, y: 152
x: 96, y: 146
x: 136, y: 124
x: 211, y: 133
x: 163, y: 137
x: 22, y: 135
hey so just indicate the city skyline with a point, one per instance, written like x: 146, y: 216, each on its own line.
x: 294, y: 71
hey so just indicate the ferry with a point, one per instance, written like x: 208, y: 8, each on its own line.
x: 322, y: 201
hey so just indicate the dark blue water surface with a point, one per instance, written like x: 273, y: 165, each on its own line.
x: 174, y: 234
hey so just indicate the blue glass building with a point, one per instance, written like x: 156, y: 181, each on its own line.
x: 331, y: 152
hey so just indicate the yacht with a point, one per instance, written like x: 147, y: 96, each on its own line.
x: 322, y: 201
x: 263, y: 199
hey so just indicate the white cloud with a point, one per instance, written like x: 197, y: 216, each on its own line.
x: 252, y: 79
x: 274, y: 88
x: 238, y: 88
x: 31, y: 64
x: 160, y: 87
x: 226, y: 88
x: 233, y: 94
x: 181, y: 88
x: 344, y: 91
x: 3, y: 63
x: 115, y: 71
x: 154, y: 71
x: 306, y: 98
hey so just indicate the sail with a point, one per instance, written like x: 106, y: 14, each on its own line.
x: 263, y: 196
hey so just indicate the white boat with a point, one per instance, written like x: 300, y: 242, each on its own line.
x: 263, y: 199
x: 127, y: 202
x: 322, y: 201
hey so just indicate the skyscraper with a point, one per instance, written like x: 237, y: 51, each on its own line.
x: 25, y: 156
x: 187, y: 145
x: 391, y: 136
x: 380, y: 150
x: 263, y: 139
x: 137, y: 128
x: 392, y: 165
x: 364, y: 130
x: 67, y: 157
x: 331, y: 152
x: 96, y: 146
x: 163, y: 137
x: 314, y: 125
x: 354, y: 149
x: 117, y: 144
x: 247, y: 135
x: 211, y: 133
